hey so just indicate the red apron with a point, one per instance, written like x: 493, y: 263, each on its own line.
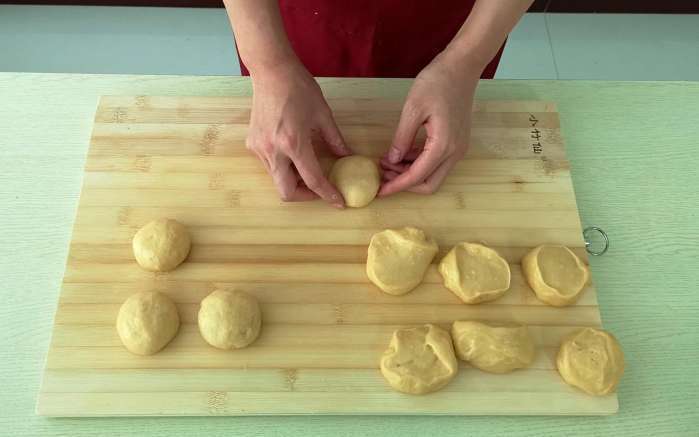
x: 372, y: 38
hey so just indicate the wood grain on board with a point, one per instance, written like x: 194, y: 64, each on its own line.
x: 325, y: 325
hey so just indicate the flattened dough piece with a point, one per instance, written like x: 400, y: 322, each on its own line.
x: 147, y: 321
x: 229, y: 319
x: 161, y: 245
x: 555, y: 273
x: 495, y: 349
x: 398, y: 259
x: 357, y: 178
x: 592, y: 360
x: 419, y: 360
x: 475, y: 273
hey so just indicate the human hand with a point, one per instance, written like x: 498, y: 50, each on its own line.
x: 441, y: 100
x: 287, y: 107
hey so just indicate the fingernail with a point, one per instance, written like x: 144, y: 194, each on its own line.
x: 394, y: 155
x: 336, y: 202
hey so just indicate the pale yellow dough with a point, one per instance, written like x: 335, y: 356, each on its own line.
x: 161, y: 245
x: 592, y: 360
x: 475, y: 273
x: 495, y: 349
x: 147, y: 321
x: 555, y: 273
x: 398, y: 259
x: 419, y: 360
x: 357, y: 177
x: 229, y: 319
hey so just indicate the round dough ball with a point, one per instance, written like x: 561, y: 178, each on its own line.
x: 357, y: 177
x: 495, y: 349
x: 592, y: 360
x: 399, y: 258
x: 147, y: 321
x: 555, y: 273
x: 229, y: 319
x: 161, y: 245
x: 419, y: 360
x: 475, y: 273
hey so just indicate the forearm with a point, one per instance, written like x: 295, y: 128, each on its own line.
x: 483, y: 33
x: 260, y: 35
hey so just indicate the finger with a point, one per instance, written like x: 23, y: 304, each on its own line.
x: 405, y: 163
x: 389, y: 175
x: 309, y: 169
x: 433, y: 182
x: 332, y: 135
x: 263, y: 159
x: 418, y: 172
x: 302, y: 194
x: 412, y: 154
x: 408, y: 125
x: 286, y: 181
x: 399, y: 167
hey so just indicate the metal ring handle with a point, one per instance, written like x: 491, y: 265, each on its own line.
x: 587, y: 233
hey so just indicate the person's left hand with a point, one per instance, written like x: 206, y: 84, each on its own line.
x: 441, y: 100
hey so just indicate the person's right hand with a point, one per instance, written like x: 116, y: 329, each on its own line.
x: 287, y: 107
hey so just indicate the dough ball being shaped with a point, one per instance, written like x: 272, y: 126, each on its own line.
x: 398, y: 259
x: 495, y: 349
x: 161, y: 245
x: 419, y: 360
x: 475, y: 273
x: 229, y: 319
x: 147, y: 321
x: 357, y: 178
x: 555, y: 273
x: 592, y: 360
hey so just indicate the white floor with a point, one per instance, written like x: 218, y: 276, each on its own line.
x: 136, y: 40
x: 603, y: 46
x: 199, y: 41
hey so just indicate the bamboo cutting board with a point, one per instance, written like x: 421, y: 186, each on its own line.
x: 325, y: 325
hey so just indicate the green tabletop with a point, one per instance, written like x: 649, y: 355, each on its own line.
x: 634, y: 148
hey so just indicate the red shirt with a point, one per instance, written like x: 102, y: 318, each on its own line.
x: 372, y: 38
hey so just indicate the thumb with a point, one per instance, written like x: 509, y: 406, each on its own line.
x: 404, y: 138
x: 332, y: 136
